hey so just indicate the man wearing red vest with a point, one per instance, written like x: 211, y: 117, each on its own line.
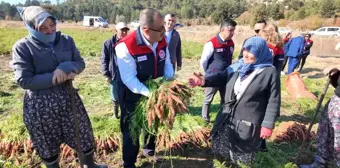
x: 141, y: 55
x: 217, y: 56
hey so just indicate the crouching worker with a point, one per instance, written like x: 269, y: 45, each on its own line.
x: 43, y: 62
x: 328, y: 136
x: 252, y: 103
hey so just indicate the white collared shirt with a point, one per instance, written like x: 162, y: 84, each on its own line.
x: 168, y: 35
x: 208, y: 51
x: 128, y: 68
x: 241, y: 86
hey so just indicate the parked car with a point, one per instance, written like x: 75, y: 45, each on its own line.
x: 326, y: 31
x: 284, y: 30
x: 95, y: 21
x: 134, y: 24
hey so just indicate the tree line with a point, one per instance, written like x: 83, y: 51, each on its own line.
x: 214, y: 10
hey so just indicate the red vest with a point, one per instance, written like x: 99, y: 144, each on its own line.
x: 148, y: 65
x: 222, y: 56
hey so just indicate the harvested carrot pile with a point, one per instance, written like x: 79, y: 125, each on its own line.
x: 159, y: 109
x: 198, y: 137
x: 291, y: 131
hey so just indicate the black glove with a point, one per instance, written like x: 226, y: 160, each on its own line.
x: 334, y: 77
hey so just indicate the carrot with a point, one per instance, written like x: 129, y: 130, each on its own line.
x: 109, y: 144
x: 67, y: 152
x: 150, y: 119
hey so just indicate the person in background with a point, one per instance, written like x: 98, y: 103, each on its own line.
x: 109, y: 63
x: 142, y: 55
x: 285, y: 40
x: 328, y: 135
x: 293, y: 50
x: 217, y: 55
x: 259, y: 25
x: 174, y: 41
x: 43, y: 64
x: 306, y: 50
x: 287, y: 37
x: 275, y: 45
x: 251, y: 106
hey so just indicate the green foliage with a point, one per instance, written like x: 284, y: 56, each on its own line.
x: 293, y: 4
x: 13, y: 128
x: 258, y: 12
x: 189, y: 9
x: 328, y: 8
x: 104, y: 126
x: 191, y: 49
x: 228, y: 9
x: 275, y: 11
x: 8, y: 37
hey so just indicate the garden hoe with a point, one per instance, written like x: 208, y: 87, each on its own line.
x: 76, y: 124
x: 313, y: 120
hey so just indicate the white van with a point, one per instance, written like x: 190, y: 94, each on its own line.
x: 95, y: 21
x: 327, y: 31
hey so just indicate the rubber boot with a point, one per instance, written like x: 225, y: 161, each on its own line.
x: 318, y: 163
x: 263, y: 146
x: 115, y: 109
x: 54, y: 164
x: 206, y: 112
x: 89, y: 161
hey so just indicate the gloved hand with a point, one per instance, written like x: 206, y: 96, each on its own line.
x: 266, y: 132
x: 334, y: 75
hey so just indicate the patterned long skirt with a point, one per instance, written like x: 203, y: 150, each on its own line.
x: 50, y: 122
x: 222, y: 149
x: 328, y: 136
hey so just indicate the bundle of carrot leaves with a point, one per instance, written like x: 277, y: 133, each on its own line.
x: 165, y: 100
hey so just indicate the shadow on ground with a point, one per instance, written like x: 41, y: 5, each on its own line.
x: 189, y: 157
x: 308, y: 70
x: 296, y: 117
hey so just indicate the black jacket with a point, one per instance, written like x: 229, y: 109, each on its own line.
x: 259, y: 106
x: 108, y: 58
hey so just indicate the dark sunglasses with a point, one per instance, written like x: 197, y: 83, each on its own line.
x: 160, y: 31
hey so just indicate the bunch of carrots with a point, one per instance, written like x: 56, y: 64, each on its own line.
x: 167, y: 98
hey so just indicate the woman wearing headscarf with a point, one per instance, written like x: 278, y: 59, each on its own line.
x: 328, y: 135
x: 43, y: 62
x: 252, y: 103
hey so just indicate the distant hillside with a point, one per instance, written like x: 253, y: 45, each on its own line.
x: 212, y: 10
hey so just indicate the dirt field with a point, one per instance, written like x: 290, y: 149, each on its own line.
x: 323, y: 46
x: 194, y: 157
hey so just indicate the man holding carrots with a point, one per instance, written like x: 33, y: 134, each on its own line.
x: 141, y: 55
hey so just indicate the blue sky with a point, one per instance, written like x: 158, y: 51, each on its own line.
x: 23, y: 1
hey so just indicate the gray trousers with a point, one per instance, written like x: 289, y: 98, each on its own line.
x: 209, y: 94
